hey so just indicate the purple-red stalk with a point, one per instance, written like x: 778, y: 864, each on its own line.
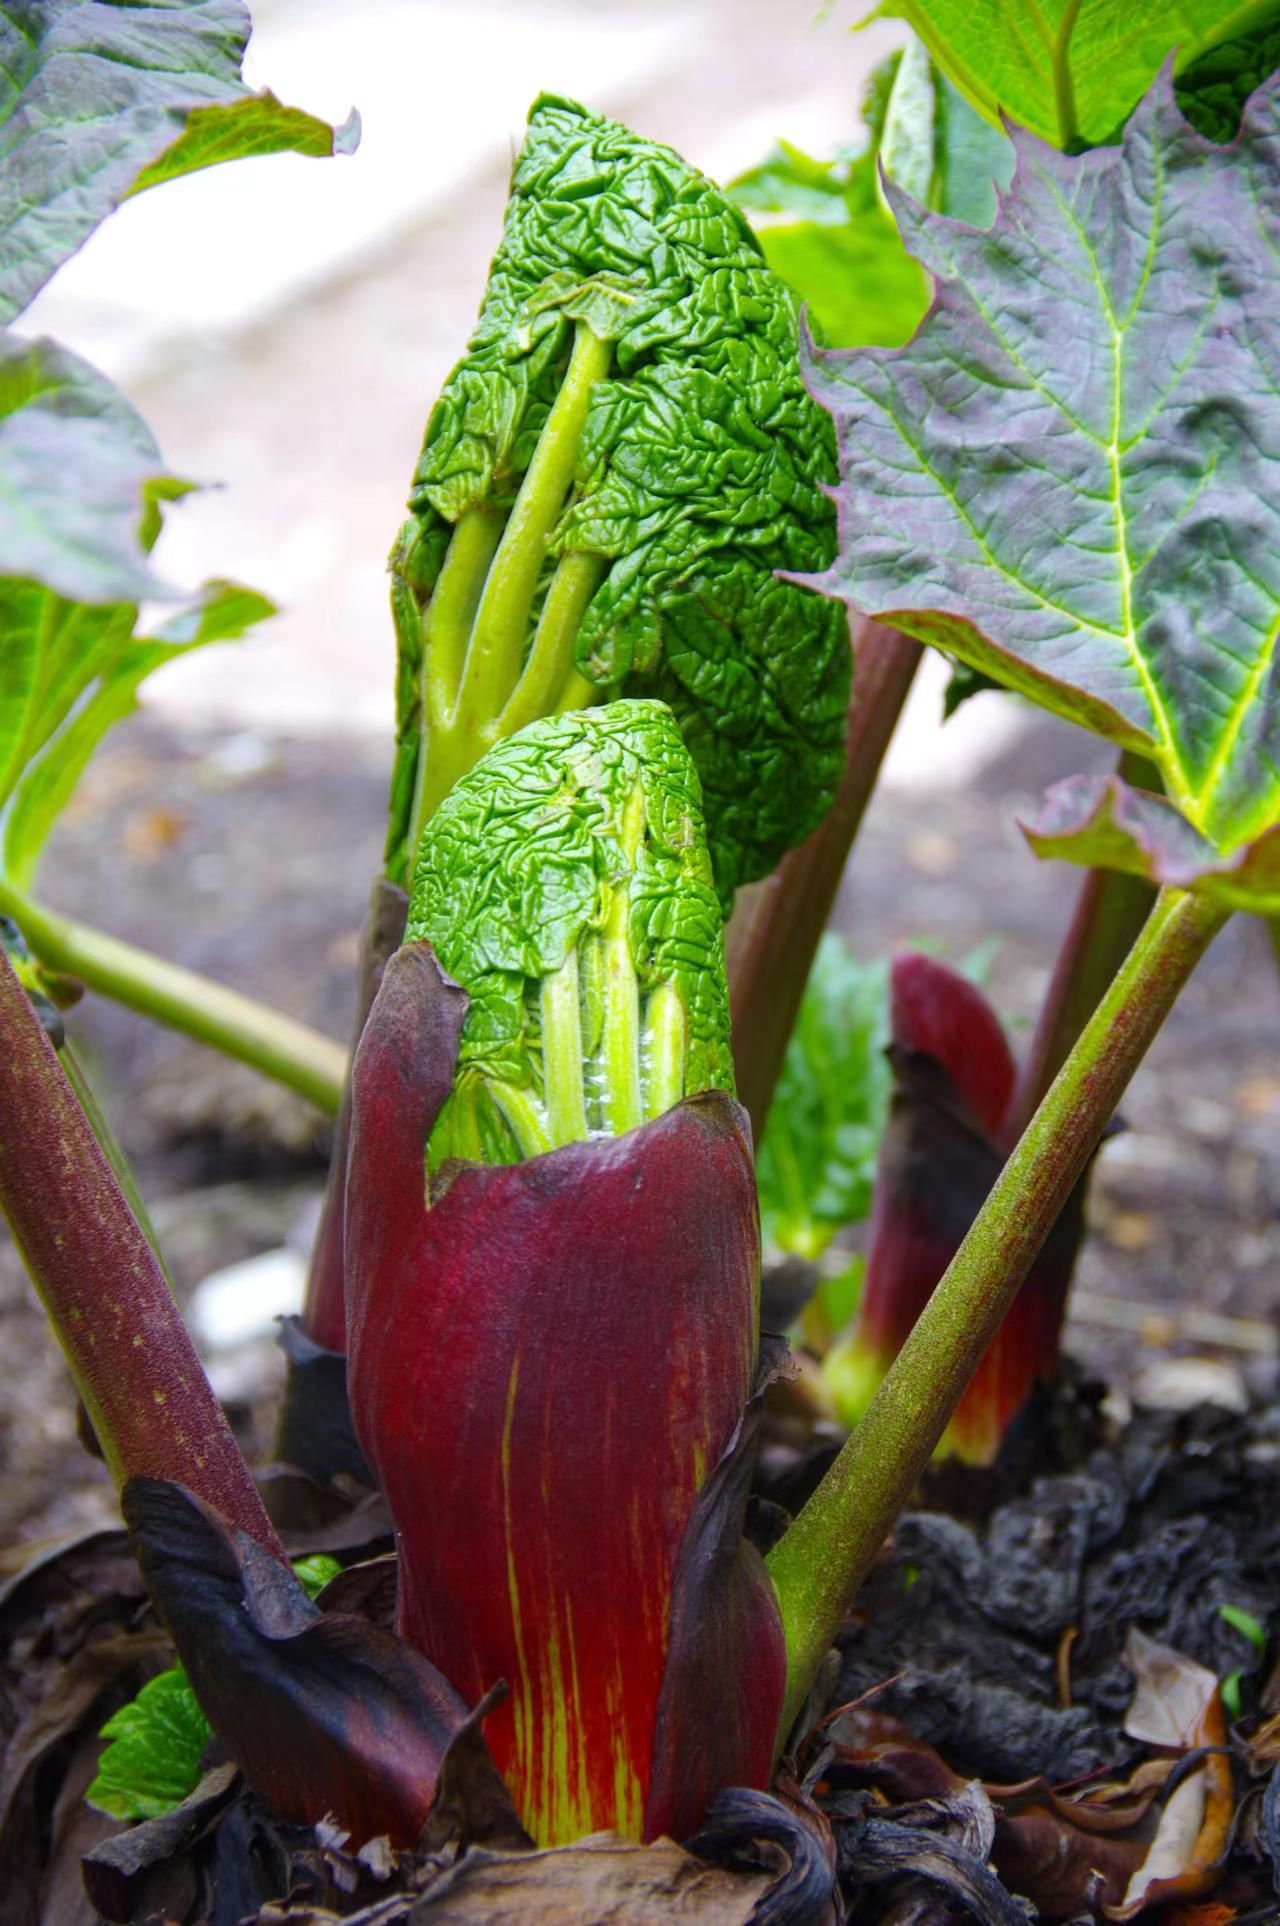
x: 143, y: 1387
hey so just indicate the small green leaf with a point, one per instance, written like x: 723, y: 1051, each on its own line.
x: 100, y: 101
x: 153, y: 1761
x: 1070, y: 70
x: 816, y: 1162
x: 314, y: 1573
x: 1246, y: 1624
x: 157, y: 1741
x: 1230, y: 1690
x: 1070, y: 478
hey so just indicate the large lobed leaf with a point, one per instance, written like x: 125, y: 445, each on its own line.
x: 701, y: 469
x: 1067, y: 69
x: 100, y: 100
x: 1070, y: 478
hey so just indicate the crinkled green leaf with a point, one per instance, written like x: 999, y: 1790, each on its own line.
x: 90, y: 666
x: 153, y: 1761
x: 1102, y: 822
x: 700, y: 474
x: 157, y: 1741
x: 100, y: 100
x: 517, y: 872
x: 1070, y: 70
x: 1070, y: 478
x: 816, y: 1163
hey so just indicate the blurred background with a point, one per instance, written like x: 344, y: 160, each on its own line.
x: 283, y: 326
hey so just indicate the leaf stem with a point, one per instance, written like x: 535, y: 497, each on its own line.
x: 549, y: 670
x: 143, y: 1386
x: 774, y: 931
x: 822, y: 1559
x: 495, y: 653
x: 562, y: 1054
x: 1064, y: 90
x: 280, y: 1047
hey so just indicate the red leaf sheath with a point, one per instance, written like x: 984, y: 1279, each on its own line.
x: 545, y: 1366
x: 942, y: 1152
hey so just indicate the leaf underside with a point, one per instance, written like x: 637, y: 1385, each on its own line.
x: 1068, y: 69
x: 1070, y: 478
x: 101, y: 101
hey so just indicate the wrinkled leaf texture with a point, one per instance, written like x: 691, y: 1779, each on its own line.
x: 700, y: 472
x: 1070, y: 478
x: 101, y: 100
x: 514, y: 864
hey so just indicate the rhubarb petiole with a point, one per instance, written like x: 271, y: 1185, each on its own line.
x: 280, y: 1047
x: 549, y: 682
x: 666, y: 1041
x: 562, y: 1054
x: 823, y: 1558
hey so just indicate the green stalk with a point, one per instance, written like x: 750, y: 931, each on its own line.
x: 546, y: 679
x: 622, y: 1103
x: 821, y: 1561
x: 479, y: 688
x: 289, y: 1052
x: 665, y: 1044
x: 562, y: 1054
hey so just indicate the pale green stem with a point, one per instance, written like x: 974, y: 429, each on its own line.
x: 821, y: 1561
x: 1064, y: 91
x: 522, y: 1115
x: 621, y: 1101
x: 495, y: 654
x: 664, y: 1050
x: 452, y: 611
x: 562, y: 1054
x: 287, y: 1051
x: 549, y: 667
x: 577, y: 693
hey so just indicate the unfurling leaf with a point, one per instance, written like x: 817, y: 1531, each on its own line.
x: 1070, y: 478
x: 611, y: 479
x: 565, y: 882
x: 102, y: 101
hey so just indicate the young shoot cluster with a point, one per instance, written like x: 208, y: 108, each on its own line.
x: 565, y: 883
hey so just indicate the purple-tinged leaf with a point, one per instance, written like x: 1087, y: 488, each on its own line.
x: 546, y: 1361
x: 323, y: 1713
x: 1070, y: 477
x: 1101, y: 821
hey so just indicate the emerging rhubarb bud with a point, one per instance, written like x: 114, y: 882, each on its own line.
x: 944, y: 1147
x: 550, y: 1360
x: 567, y: 885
